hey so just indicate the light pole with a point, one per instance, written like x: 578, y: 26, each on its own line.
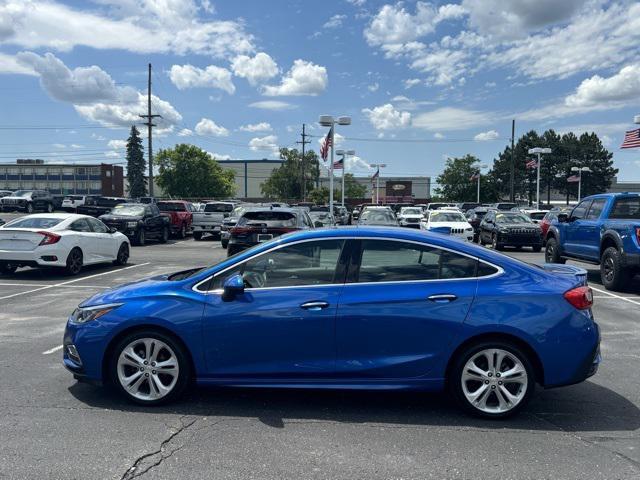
x: 344, y: 154
x: 539, y: 151
x: 379, y: 166
x: 329, y: 121
x: 580, y: 170
x: 479, y: 174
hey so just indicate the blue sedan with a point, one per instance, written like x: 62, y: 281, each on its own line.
x: 363, y: 308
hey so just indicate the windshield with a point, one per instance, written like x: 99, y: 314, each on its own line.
x: 128, y: 210
x: 378, y: 216
x: 237, y: 211
x: 510, y: 218
x: 411, y: 211
x: 537, y: 215
x: 34, y: 222
x: 437, y: 217
x: 22, y: 193
x: 172, y: 207
x: 322, y: 217
x: 267, y: 218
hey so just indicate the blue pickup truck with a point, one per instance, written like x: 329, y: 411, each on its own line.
x: 602, y: 229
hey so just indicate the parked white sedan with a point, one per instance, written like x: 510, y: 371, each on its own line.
x: 61, y: 240
x: 452, y: 221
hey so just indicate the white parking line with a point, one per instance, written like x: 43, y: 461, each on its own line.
x: 614, y: 295
x: 72, y: 281
x: 52, y: 350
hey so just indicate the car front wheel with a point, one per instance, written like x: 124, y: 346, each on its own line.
x: 495, y: 243
x: 612, y: 273
x: 29, y: 208
x: 150, y: 368
x: 551, y: 252
x: 164, y: 236
x: 492, y: 379
x: 197, y: 236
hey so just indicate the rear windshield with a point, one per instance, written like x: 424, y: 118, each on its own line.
x: 128, y: 210
x: 218, y: 207
x: 626, y: 208
x: 537, y: 215
x: 34, y: 222
x: 171, y: 207
x: 73, y: 197
x: 268, y: 218
x: 506, y: 206
x: 378, y: 216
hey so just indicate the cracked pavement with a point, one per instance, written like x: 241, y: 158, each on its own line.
x: 55, y: 428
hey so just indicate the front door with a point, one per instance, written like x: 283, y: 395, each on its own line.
x: 283, y: 325
x: 401, y: 307
x: 574, y: 230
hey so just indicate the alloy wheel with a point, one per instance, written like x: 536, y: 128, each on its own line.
x: 148, y: 369
x: 74, y: 262
x: 494, y: 381
x: 123, y: 254
x: 609, y: 269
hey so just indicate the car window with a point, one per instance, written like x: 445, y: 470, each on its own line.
x: 596, y: 209
x: 80, y: 226
x: 218, y: 207
x: 34, y: 222
x: 268, y: 218
x: 393, y: 261
x: 626, y: 208
x: 97, y: 226
x: 580, y: 211
x: 301, y: 264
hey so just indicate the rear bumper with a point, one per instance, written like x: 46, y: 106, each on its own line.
x: 213, y: 228
x: 41, y: 257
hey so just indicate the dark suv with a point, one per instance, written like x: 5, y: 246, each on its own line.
x: 139, y: 221
x: 28, y: 201
x: 511, y: 229
x: 259, y: 225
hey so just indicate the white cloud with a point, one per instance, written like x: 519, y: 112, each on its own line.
x: 268, y: 143
x: 304, y: 78
x: 356, y: 164
x: 185, y: 132
x: 275, y: 105
x: 486, y: 136
x: 75, y: 145
x: 438, y: 136
x: 255, y: 69
x: 220, y: 156
x: 373, y: 87
x: 335, y: 21
x: 188, y: 76
x: 117, y: 144
x: 59, y: 145
x: 411, y: 82
x: 451, y: 118
x: 357, y: 3
x: 402, y: 102
x: 386, y: 117
x: 9, y: 64
x: 624, y: 86
x: 207, y: 126
x: 111, y: 154
x: 140, y: 26
x: 337, y: 138
x: 256, y: 127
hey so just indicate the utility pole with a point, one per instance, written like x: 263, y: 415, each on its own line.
x: 512, y: 194
x: 303, y: 142
x: 149, y: 123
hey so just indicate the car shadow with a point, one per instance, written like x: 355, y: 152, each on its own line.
x: 584, y: 407
x: 593, y: 276
x: 53, y: 275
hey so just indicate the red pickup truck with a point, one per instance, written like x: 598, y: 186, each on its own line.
x: 179, y: 211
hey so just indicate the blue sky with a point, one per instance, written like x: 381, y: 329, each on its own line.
x: 422, y: 81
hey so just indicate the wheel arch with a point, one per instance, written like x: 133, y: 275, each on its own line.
x: 138, y: 328
x: 610, y: 239
x: 499, y: 336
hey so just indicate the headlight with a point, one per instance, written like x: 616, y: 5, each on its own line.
x: 468, y: 229
x: 132, y: 224
x: 84, y: 315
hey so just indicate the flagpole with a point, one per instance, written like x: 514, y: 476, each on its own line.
x: 343, y: 167
x: 478, y: 186
x: 331, y: 172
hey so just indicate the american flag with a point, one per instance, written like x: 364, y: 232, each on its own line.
x: 533, y: 163
x: 573, y: 179
x: 338, y: 164
x: 475, y: 176
x: 631, y: 139
x: 375, y: 175
x: 326, y: 143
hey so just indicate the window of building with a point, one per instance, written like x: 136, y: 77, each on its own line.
x: 81, y: 171
x: 54, y: 170
x: 96, y: 186
x: 94, y: 171
x: 67, y: 171
x: 13, y: 171
x: 41, y: 171
x: 107, y: 173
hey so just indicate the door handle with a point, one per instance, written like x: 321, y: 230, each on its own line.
x: 445, y: 298
x: 314, y: 306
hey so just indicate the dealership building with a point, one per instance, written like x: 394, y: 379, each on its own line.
x: 63, y: 178
x: 390, y: 189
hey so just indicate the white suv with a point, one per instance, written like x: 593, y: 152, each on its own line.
x: 71, y: 202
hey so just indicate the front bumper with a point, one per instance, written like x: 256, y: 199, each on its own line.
x: 520, y: 240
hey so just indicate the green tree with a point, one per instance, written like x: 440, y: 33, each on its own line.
x: 353, y: 189
x: 189, y: 172
x: 456, y: 185
x: 319, y: 196
x: 136, y: 165
x: 285, y: 182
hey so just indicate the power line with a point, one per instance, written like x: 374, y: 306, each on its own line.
x: 303, y: 143
x: 149, y: 123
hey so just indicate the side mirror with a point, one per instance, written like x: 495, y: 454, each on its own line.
x: 318, y: 224
x: 113, y: 230
x: 563, y: 217
x: 232, y: 287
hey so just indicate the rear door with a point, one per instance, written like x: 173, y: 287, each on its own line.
x: 84, y: 238
x: 403, y: 303
x: 105, y: 244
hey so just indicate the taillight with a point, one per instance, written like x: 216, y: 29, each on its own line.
x: 240, y: 230
x: 49, y: 238
x: 580, y: 297
x: 638, y: 234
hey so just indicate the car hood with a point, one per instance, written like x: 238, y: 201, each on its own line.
x: 148, y: 287
x: 11, y: 197
x: 449, y: 224
x: 510, y: 226
x: 110, y: 217
x: 410, y: 216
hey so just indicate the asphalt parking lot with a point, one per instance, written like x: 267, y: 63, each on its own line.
x: 53, y: 427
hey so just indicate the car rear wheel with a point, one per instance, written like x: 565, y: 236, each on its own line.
x: 123, y: 255
x: 492, y: 379
x: 183, y: 231
x: 150, y: 368
x: 140, y: 237
x: 164, y: 237
x: 551, y: 252
x: 197, y: 236
x: 49, y: 208
x: 29, y: 208
x: 7, y: 268
x: 614, y: 276
x: 224, y: 243
x: 74, y: 262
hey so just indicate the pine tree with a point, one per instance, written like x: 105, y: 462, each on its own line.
x: 136, y: 165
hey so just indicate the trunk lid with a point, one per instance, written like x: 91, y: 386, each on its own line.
x: 570, y: 271
x: 20, y: 239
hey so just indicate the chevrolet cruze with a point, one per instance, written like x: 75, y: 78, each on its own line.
x: 362, y: 308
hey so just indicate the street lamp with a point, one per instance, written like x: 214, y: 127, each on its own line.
x: 580, y: 170
x: 343, y: 154
x: 379, y: 166
x: 636, y: 119
x: 479, y: 174
x: 538, y: 151
x: 329, y: 121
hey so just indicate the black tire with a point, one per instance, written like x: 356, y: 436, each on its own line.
x: 224, y: 243
x: 613, y: 275
x: 454, y: 383
x: 537, y: 248
x: 49, y: 208
x: 29, y: 208
x: 197, y: 236
x: 551, y: 252
x: 481, y: 239
x: 232, y: 250
x: 494, y: 242
x: 74, y: 262
x: 7, y: 269
x: 183, y: 232
x: 184, y: 366
x: 123, y: 255
x: 141, y: 238
x: 164, y: 236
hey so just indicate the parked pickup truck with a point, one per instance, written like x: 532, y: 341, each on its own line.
x: 179, y: 213
x: 601, y: 229
x: 97, y: 205
x: 209, y: 220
